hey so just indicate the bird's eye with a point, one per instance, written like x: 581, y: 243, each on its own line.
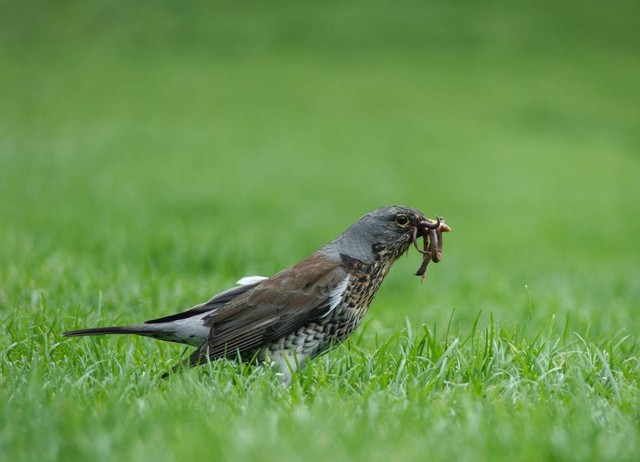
x: 402, y: 220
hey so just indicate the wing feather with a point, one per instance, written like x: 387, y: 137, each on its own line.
x: 275, y: 308
x: 215, y: 302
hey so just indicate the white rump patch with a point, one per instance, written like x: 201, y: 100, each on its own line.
x: 191, y: 330
x: 335, y: 297
x: 247, y: 280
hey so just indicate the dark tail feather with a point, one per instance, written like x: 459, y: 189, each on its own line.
x: 154, y: 331
x: 139, y: 330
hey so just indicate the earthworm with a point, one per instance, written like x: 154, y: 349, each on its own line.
x: 431, y: 234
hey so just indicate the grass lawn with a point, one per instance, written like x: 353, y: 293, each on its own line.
x: 151, y: 154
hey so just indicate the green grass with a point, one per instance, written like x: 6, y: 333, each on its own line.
x: 151, y: 155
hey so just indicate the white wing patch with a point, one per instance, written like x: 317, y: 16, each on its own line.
x: 247, y: 280
x: 335, y: 297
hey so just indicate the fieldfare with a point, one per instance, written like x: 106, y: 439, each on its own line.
x: 303, y: 310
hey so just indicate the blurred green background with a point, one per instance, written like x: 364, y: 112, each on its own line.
x: 151, y: 153
x: 200, y: 138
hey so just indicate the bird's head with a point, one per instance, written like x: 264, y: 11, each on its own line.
x: 386, y: 233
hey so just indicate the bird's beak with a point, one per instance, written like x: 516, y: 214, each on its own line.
x: 443, y: 227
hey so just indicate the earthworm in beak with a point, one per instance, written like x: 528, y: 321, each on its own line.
x: 431, y: 233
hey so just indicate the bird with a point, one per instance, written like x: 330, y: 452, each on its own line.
x: 302, y: 311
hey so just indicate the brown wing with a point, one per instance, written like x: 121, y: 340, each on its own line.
x: 273, y: 309
x: 216, y: 302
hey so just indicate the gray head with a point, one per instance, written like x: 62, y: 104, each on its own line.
x: 384, y: 233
